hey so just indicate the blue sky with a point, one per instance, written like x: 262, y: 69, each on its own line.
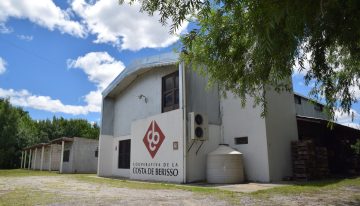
x: 57, y: 56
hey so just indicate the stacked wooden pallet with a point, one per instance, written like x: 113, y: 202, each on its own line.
x: 322, y: 164
x: 303, y: 157
x: 309, y: 162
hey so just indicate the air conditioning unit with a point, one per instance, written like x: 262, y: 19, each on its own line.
x: 199, y: 128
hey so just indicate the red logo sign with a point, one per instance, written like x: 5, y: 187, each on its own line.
x: 153, y: 138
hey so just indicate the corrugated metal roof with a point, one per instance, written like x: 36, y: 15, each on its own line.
x: 140, y: 66
x: 308, y: 98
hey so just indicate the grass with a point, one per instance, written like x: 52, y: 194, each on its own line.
x: 25, y: 173
x: 121, y: 183
x: 26, y: 196
x: 31, y: 197
x: 313, y: 186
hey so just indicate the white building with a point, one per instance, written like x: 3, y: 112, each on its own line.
x: 78, y: 155
x: 66, y: 155
x: 146, y: 132
x: 44, y: 156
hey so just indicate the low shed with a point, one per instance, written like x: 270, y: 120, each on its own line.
x: 43, y: 156
x: 338, y: 140
x: 78, y: 155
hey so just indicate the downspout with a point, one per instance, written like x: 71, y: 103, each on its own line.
x: 183, y: 95
x: 221, y: 113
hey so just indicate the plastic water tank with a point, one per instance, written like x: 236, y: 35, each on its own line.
x: 225, y: 166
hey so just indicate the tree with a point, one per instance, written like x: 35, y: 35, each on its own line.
x: 17, y: 130
x: 9, y: 118
x: 356, y: 147
x: 246, y: 46
x: 60, y: 127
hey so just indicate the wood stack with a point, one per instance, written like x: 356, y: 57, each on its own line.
x: 309, y: 162
x: 303, y: 157
x: 322, y: 164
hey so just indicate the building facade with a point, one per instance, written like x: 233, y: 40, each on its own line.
x: 147, y: 127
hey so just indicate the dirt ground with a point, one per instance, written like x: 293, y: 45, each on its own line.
x: 67, y: 190
x: 70, y: 191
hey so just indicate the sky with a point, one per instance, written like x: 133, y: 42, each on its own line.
x: 56, y: 56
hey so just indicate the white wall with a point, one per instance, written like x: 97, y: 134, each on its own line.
x: 246, y: 122
x: 55, y: 156
x: 196, y: 163
x: 105, y: 155
x: 84, y: 160
x: 128, y: 107
x: 46, y: 158
x: 281, y: 129
x: 68, y: 167
x: 115, y: 157
x: 125, y: 109
x: 167, y: 163
x: 36, y: 164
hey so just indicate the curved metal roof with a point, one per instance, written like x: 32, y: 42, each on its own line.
x: 138, y: 67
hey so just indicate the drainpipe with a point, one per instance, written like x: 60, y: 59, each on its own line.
x: 183, y: 95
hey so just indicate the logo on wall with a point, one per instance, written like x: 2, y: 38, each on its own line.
x: 153, y: 138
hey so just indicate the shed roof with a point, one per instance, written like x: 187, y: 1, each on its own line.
x: 36, y: 146
x: 325, y: 122
x: 59, y: 140
x: 309, y: 98
x: 138, y: 67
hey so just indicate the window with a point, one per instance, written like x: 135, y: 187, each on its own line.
x: 318, y: 107
x: 297, y: 99
x: 97, y: 152
x: 241, y: 140
x: 66, y: 156
x: 124, y: 154
x: 170, y: 92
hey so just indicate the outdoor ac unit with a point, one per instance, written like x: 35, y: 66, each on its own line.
x: 199, y: 128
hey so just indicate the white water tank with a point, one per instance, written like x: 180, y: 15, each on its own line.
x: 225, y: 166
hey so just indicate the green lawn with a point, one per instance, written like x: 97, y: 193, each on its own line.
x: 333, y: 189
x: 23, y: 173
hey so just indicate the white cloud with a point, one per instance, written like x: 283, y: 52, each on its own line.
x: 350, y: 120
x: 356, y: 91
x: 25, y: 37
x: 24, y: 98
x: 298, y: 70
x: 2, y: 65
x: 4, y: 29
x: 44, y: 13
x: 124, y: 26
x: 100, y: 68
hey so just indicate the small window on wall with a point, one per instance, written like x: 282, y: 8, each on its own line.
x: 66, y: 156
x: 297, y: 99
x: 241, y: 140
x: 170, y: 92
x: 318, y: 107
x: 124, y: 154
